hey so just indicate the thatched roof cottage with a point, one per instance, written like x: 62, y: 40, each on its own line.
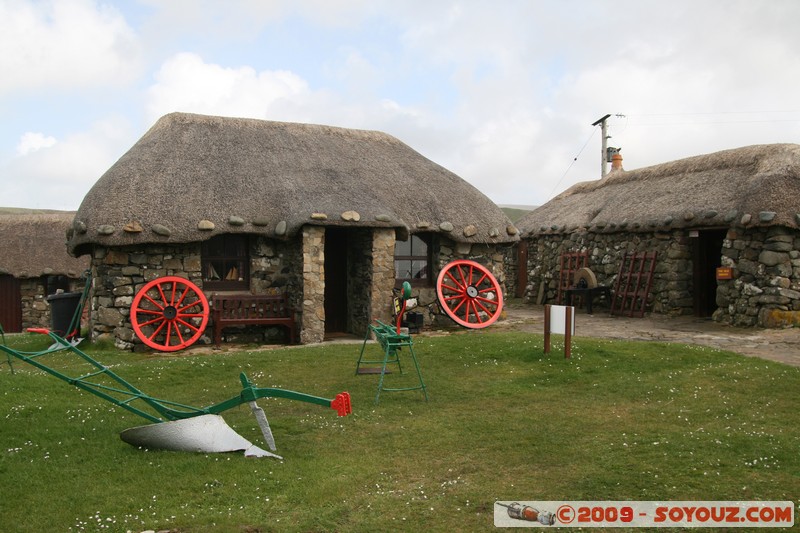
x: 736, y: 208
x: 35, y: 264
x: 333, y: 217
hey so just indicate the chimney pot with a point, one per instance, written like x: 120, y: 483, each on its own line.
x: 616, y: 162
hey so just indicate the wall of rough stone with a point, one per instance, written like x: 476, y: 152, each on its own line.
x: 296, y: 267
x: 35, y: 309
x: 34, y: 305
x: 359, y: 279
x: 671, y: 290
x: 313, y: 287
x: 119, y: 273
x: 492, y: 256
x: 765, y: 290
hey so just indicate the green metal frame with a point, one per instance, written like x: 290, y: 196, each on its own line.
x: 392, y: 342
x: 121, y: 393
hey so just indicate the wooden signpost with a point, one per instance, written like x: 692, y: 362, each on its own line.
x: 559, y: 319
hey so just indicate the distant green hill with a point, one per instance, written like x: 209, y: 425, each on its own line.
x: 515, y: 213
x: 25, y: 211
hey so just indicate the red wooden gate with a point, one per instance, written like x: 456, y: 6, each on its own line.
x: 633, y: 283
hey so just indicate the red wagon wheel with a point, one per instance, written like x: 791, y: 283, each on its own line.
x: 169, y: 313
x: 469, y: 294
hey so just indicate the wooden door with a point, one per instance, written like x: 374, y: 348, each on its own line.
x: 10, y: 304
x: 522, y: 268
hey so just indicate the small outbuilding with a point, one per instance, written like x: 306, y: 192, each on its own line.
x: 34, y: 264
x: 725, y: 229
x: 333, y: 218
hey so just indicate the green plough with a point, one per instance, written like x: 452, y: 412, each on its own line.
x: 174, y: 426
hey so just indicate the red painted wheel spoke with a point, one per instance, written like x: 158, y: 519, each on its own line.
x: 179, y: 318
x: 476, y: 300
x: 161, y: 293
x: 183, y: 309
x: 158, y: 305
x: 460, y: 284
x: 153, y: 321
x: 188, y: 325
x: 149, y: 312
x: 158, y: 330
x: 177, y: 332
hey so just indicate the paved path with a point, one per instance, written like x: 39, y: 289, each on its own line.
x: 781, y: 345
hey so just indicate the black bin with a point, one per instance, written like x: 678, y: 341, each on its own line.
x: 62, y: 308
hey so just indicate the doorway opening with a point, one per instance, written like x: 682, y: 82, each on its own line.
x: 706, y: 257
x: 335, y: 280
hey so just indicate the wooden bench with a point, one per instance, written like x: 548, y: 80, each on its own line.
x: 247, y: 310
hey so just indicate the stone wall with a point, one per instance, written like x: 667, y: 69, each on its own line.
x: 313, y: 314
x: 765, y: 290
x: 492, y: 256
x: 671, y: 288
x: 35, y: 307
x: 119, y: 273
x: 383, y: 279
x: 296, y: 267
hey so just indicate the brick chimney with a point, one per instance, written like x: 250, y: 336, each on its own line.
x: 616, y: 162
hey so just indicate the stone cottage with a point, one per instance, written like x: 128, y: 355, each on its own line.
x: 334, y: 218
x: 736, y: 209
x: 34, y: 264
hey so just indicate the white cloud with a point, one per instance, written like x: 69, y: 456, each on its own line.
x: 501, y: 93
x: 64, y: 43
x: 33, y: 141
x: 56, y: 174
x: 186, y: 83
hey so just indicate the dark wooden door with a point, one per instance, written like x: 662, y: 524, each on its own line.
x: 522, y: 268
x: 10, y: 304
x: 335, y: 280
x: 707, y: 256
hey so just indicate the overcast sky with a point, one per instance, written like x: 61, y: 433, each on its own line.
x: 501, y: 92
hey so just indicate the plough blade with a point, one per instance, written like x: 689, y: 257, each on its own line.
x: 263, y: 423
x: 204, y: 434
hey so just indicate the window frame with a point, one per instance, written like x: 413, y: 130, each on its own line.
x: 427, y: 281
x: 224, y: 261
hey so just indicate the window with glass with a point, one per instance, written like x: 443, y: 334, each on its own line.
x: 412, y: 261
x: 225, y: 260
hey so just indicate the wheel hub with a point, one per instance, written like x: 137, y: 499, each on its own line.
x: 472, y: 292
x: 170, y: 312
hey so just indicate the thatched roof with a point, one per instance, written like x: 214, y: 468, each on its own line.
x: 754, y: 185
x: 233, y: 175
x: 34, y: 245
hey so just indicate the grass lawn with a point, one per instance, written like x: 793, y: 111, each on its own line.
x: 618, y: 421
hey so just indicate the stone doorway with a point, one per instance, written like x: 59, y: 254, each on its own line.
x: 706, y: 257
x: 335, y: 280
